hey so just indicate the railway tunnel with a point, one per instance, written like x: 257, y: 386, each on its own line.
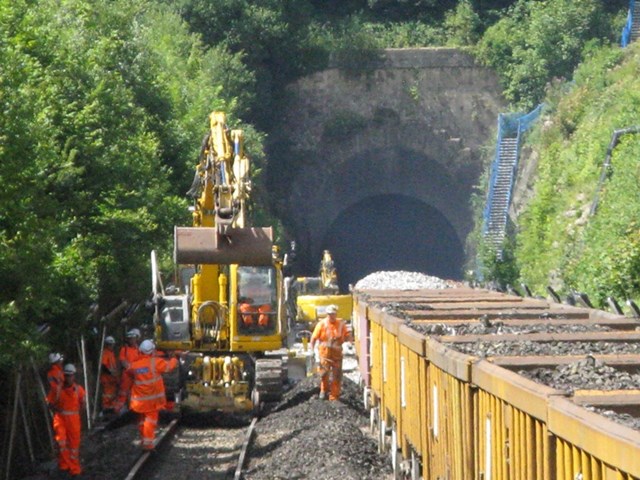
x: 379, y: 163
x: 393, y: 232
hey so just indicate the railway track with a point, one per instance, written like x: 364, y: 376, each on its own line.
x: 194, y: 450
x: 470, y: 383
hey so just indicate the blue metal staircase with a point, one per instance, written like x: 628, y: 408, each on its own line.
x: 631, y: 30
x: 503, y: 175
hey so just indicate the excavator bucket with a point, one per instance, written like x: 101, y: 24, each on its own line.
x: 241, y: 246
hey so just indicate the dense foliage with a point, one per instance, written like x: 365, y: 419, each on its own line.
x: 100, y: 103
x: 560, y: 243
x: 538, y: 41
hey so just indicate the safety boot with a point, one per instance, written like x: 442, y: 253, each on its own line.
x: 322, y: 396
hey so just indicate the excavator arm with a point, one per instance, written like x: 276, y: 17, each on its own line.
x: 220, y: 190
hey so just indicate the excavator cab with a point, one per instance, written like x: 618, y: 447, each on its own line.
x: 257, y: 300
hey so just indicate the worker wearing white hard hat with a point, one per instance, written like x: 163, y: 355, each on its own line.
x: 55, y: 376
x: 55, y: 357
x: 147, y: 347
x: 134, y: 332
x: 67, y: 424
x: 109, y: 375
x: 144, y: 379
x: 130, y: 352
x: 329, y: 334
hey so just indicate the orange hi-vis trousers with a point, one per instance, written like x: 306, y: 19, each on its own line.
x: 109, y: 385
x: 147, y: 423
x: 331, y: 379
x: 67, y: 428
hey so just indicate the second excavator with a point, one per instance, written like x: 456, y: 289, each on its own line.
x: 311, y: 295
x: 226, y: 313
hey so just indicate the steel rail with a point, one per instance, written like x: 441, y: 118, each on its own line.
x: 245, y: 447
x: 144, y: 457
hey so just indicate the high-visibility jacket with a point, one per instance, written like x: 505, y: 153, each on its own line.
x: 55, y: 379
x: 247, y: 313
x: 68, y: 401
x: 109, y: 378
x: 263, y: 318
x: 109, y: 363
x: 128, y: 355
x: 330, y: 336
x: 144, y: 379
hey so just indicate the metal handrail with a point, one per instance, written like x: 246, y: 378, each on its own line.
x: 626, y: 30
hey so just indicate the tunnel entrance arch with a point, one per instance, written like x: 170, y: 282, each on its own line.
x: 393, y: 232
x: 411, y: 123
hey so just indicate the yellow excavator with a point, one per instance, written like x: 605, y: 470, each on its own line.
x: 226, y: 314
x: 313, y: 294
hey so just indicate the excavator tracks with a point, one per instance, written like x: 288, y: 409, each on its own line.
x: 269, y: 381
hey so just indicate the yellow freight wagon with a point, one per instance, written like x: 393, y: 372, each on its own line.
x: 511, y: 424
x: 412, y: 351
x: 376, y: 364
x: 591, y: 447
x: 391, y: 374
x: 456, y: 416
x: 450, y: 399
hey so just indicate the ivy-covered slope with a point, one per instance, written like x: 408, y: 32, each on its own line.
x: 558, y: 241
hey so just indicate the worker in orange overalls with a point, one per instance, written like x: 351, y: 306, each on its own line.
x: 144, y: 380
x: 55, y: 377
x: 66, y: 404
x: 330, y: 333
x: 129, y: 352
x: 263, y: 317
x: 247, y: 311
x: 109, y: 375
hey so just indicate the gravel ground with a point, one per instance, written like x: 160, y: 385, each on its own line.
x: 300, y: 437
x: 304, y: 437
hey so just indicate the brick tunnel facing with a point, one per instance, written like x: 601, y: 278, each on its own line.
x: 393, y: 232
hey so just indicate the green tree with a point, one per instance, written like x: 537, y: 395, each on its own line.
x: 537, y: 41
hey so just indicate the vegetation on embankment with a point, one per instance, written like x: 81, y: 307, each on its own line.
x: 558, y: 241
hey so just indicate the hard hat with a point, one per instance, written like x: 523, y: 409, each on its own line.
x: 55, y: 357
x: 69, y: 369
x: 110, y: 340
x: 147, y: 347
x: 134, y: 332
x: 331, y: 309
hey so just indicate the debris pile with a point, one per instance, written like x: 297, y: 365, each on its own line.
x: 401, y: 280
x: 586, y: 374
x: 521, y: 348
x: 305, y: 437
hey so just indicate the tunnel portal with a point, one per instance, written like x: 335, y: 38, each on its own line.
x: 378, y: 162
x: 393, y: 232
